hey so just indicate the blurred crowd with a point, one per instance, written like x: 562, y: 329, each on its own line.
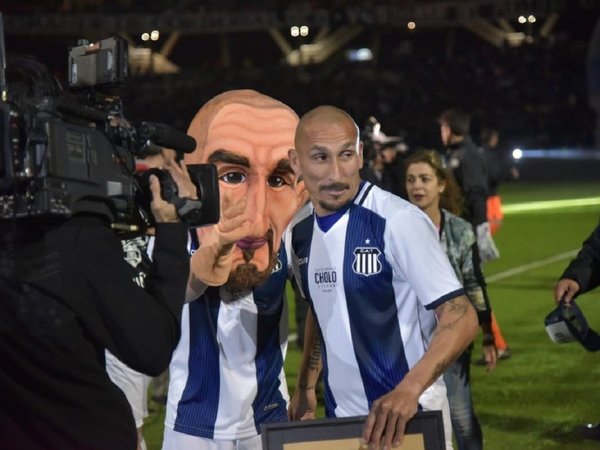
x: 536, y: 93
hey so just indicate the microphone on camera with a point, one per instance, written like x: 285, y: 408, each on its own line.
x: 166, y: 136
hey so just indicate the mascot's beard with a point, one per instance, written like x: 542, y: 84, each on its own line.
x: 246, y: 275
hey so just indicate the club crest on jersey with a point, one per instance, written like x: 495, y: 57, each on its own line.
x: 366, y: 261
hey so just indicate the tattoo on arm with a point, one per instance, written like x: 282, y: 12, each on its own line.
x: 457, y: 307
x: 315, y: 354
x: 314, y: 360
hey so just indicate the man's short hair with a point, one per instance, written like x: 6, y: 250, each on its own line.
x: 458, y: 120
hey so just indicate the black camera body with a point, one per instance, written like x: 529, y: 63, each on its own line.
x: 75, y: 149
x: 201, y: 212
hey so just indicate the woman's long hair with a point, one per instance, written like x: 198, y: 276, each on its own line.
x: 451, y: 199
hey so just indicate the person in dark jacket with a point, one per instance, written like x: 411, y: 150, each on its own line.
x: 581, y: 276
x: 498, y: 169
x: 583, y: 273
x: 72, y: 296
x: 67, y: 294
x: 467, y: 165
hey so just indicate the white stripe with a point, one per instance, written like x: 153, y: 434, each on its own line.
x: 530, y: 266
x: 549, y: 205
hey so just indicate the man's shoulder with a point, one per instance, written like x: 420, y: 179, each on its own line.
x: 384, y: 203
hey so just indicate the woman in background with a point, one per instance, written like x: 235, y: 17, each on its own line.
x: 430, y: 187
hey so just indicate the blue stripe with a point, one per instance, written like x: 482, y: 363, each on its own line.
x: 445, y: 298
x: 269, y: 405
x: 371, y: 303
x: 197, y: 409
x: 330, y: 402
x: 301, y: 238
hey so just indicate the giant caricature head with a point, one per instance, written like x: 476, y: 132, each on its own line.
x: 247, y: 135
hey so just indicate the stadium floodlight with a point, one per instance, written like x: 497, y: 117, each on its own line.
x: 360, y: 54
x: 517, y: 153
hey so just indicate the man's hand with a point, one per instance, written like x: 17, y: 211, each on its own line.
x: 487, y: 247
x: 303, y: 405
x: 566, y: 288
x: 178, y: 171
x: 389, y: 414
x: 162, y: 210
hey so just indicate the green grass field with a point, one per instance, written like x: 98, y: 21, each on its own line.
x: 534, y: 399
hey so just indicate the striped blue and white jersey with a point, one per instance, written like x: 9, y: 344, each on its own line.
x: 373, y: 280
x: 226, y: 375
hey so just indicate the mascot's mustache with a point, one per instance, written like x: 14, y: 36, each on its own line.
x: 248, y: 254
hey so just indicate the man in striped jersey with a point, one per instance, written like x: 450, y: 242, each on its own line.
x: 226, y: 376
x: 384, y: 299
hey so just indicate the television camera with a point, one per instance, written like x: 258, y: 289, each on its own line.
x: 59, y: 152
x: 375, y: 140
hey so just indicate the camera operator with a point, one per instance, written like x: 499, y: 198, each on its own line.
x: 66, y: 295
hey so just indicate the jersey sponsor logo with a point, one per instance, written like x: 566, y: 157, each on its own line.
x: 366, y: 261
x: 325, y: 279
x: 326, y: 276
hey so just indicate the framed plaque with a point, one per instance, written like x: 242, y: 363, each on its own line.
x: 425, y: 431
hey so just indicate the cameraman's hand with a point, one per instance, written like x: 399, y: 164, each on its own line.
x: 162, y: 210
x: 185, y: 187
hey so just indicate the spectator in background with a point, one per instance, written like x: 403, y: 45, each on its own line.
x: 581, y: 276
x: 431, y: 189
x: 385, y: 300
x: 499, y: 169
x: 393, y: 154
x: 468, y: 166
x: 383, y: 159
